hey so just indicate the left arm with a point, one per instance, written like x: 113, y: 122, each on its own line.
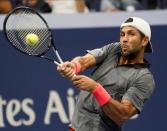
x: 119, y: 112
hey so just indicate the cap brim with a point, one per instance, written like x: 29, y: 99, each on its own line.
x: 148, y: 48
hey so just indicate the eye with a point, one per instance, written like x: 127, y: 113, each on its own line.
x: 122, y: 34
x: 131, y: 33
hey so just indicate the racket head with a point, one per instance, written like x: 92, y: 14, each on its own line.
x: 22, y: 21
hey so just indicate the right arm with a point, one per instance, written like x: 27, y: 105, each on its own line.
x: 85, y: 61
x: 93, y: 57
x: 67, y: 69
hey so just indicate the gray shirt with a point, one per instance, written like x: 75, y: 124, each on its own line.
x: 131, y: 81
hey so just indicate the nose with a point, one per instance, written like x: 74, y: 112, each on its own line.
x: 124, y: 39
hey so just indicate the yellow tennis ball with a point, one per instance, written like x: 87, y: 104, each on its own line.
x: 32, y: 39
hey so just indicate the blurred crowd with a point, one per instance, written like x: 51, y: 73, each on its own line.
x: 82, y: 6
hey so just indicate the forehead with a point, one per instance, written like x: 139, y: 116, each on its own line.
x: 128, y: 28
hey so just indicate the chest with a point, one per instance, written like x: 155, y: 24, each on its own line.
x: 117, y: 80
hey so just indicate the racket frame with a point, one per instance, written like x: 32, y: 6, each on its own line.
x: 42, y: 55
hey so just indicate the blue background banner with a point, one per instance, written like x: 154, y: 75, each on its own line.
x: 33, y: 96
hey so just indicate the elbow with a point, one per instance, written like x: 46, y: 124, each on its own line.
x: 120, y: 117
x: 119, y: 112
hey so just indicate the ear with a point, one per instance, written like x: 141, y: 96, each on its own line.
x: 145, y: 41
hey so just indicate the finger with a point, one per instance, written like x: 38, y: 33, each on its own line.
x: 64, y: 68
x: 77, y: 82
x: 81, y: 86
x: 70, y: 64
x: 65, y: 65
x: 62, y: 74
x: 59, y: 68
x: 77, y: 77
x: 70, y: 74
x: 68, y: 70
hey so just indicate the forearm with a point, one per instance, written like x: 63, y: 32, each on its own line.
x: 85, y: 61
x: 119, y: 111
x: 114, y: 109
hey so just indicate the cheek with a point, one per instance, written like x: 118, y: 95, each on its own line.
x: 120, y: 39
x: 134, y: 42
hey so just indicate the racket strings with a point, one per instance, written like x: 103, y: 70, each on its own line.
x: 23, y: 22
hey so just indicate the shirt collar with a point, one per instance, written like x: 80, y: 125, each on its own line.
x: 146, y: 64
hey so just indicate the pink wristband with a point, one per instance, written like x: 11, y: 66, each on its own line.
x: 101, y: 95
x: 77, y: 67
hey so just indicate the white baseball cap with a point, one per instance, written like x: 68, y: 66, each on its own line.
x: 143, y: 27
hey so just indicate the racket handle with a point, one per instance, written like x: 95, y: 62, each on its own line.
x: 58, y: 56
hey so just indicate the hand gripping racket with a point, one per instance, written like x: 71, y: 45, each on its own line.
x: 23, y: 21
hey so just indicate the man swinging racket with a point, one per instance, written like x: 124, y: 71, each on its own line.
x: 119, y: 86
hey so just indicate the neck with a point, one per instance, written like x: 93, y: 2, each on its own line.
x: 138, y: 58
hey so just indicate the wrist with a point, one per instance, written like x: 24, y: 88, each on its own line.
x: 77, y: 67
x: 101, y: 95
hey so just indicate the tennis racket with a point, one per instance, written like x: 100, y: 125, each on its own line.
x: 23, y: 21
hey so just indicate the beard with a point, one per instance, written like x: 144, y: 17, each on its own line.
x: 130, y: 54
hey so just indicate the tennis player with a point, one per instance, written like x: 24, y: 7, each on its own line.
x: 119, y: 86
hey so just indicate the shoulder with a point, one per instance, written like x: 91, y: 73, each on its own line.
x: 114, y: 46
x: 144, y: 72
x: 145, y: 79
x: 103, y: 52
x: 111, y: 47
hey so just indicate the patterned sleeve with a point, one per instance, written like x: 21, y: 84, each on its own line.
x: 140, y: 91
x: 101, y: 53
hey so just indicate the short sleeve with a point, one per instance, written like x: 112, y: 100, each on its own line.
x: 140, y: 91
x: 101, y: 53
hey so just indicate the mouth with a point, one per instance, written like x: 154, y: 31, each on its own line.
x: 124, y: 48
